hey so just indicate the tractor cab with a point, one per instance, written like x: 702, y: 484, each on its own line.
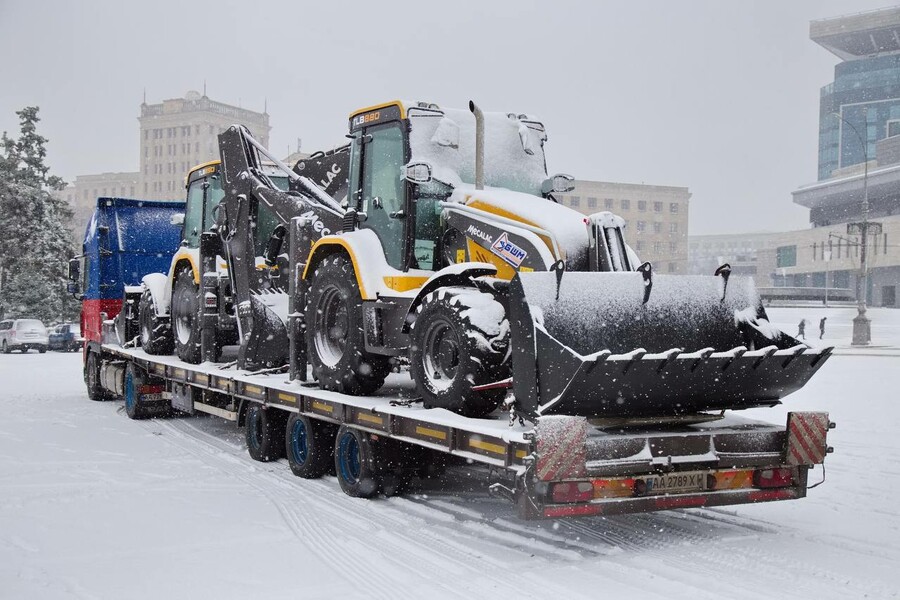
x: 407, y: 159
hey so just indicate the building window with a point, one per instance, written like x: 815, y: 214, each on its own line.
x: 673, y: 247
x: 786, y: 256
x: 657, y: 207
x: 626, y: 204
x: 673, y: 208
x: 640, y: 245
x: 815, y: 248
x: 671, y: 267
x: 657, y: 247
x: 575, y: 201
x: 657, y: 227
x: 893, y: 128
x: 673, y: 227
x: 608, y: 203
x: 642, y: 205
x: 592, y: 203
x: 641, y: 226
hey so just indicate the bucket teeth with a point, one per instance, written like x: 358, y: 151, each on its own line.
x: 556, y: 371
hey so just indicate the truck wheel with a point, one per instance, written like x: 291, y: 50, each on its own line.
x: 334, y: 333
x: 451, y: 352
x: 42, y: 349
x: 134, y: 379
x: 156, y: 331
x: 309, y: 446
x: 92, y: 378
x: 265, y: 432
x: 354, y: 463
x: 186, y: 316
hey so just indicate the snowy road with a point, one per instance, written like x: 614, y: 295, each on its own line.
x: 93, y: 505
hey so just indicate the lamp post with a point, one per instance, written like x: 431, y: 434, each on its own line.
x: 862, y: 325
x: 826, y: 254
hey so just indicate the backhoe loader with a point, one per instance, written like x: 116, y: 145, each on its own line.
x: 451, y: 258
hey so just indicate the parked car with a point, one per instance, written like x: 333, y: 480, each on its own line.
x: 66, y: 337
x: 23, y: 334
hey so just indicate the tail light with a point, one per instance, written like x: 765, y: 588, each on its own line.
x: 572, y: 491
x: 773, y: 478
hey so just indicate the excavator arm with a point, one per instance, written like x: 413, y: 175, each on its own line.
x: 251, y: 200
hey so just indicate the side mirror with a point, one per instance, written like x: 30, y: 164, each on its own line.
x: 177, y: 219
x: 559, y: 184
x: 73, y: 271
x: 419, y: 172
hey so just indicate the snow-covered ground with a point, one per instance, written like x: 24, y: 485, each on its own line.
x: 93, y: 505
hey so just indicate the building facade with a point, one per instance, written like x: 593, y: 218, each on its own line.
x: 862, y: 104
x: 859, y: 166
x: 656, y: 217
x: 174, y: 136
x: 180, y: 133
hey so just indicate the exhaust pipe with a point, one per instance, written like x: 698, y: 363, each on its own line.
x: 479, y: 145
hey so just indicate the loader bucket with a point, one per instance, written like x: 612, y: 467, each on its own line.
x: 588, y: 345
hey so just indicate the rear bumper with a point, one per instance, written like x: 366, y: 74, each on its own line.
x: 619, y: 506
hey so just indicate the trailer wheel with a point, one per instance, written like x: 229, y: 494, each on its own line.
x: 264, y: 433
x: 92, y: 378
x: 309, y: 446
x: 134, y: 408
x: 451, y: 352
x: 186, y: 316
x: 334, y: 333
x: 354, y: 463
x: 156, y: 331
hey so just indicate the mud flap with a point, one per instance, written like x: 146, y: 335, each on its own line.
x: 590, y: 346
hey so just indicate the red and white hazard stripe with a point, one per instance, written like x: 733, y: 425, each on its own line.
x: 807, y: 432
x: 561, y: 448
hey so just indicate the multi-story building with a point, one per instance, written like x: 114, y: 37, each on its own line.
x: 179, y: 133
x: 656, y: 217
x: 175, y: 135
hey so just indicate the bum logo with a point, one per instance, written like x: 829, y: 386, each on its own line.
x: 508, y: 251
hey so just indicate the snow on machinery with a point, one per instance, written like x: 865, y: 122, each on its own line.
x: 451, y: 254
x: 124, y: 240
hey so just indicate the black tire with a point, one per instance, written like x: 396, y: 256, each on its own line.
x: 185, y: 316
x: 309, y: 446
x: 354, y: 463
x: 6, y: 349
x: 264, y: 433
x: 334, y: 333
x: 42, y: 349
x: 156, y: 331
x: 92, y: 378
x: 450, y: 353
x: 134, y: 407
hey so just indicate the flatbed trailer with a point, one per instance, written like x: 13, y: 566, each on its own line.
x: 556, y: 467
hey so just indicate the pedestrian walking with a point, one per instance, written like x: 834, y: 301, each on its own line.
x: 801, y: 329
x: 822, y: 328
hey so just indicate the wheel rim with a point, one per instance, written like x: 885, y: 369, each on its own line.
x: 348, y: 450
x: 255, y: 427
x: 299, y: 442
x: 185, y: 309
x: 440, y: 355
x: 332, y: 326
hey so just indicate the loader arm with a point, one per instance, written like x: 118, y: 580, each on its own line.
x: 250, y: 213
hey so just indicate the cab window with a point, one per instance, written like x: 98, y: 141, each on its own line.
x: 193, y: 214
x: 214, y: 195
x: 383, y: 190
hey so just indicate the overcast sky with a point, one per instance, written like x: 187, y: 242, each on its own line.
x: 718, y: 96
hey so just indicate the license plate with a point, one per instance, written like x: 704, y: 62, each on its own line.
x: 671, y: 483
x: 151, y: 397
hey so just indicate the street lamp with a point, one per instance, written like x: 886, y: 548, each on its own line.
x: 826, y: 254
x: 862, y: 326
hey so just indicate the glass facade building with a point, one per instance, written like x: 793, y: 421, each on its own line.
x: 866, y: 88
